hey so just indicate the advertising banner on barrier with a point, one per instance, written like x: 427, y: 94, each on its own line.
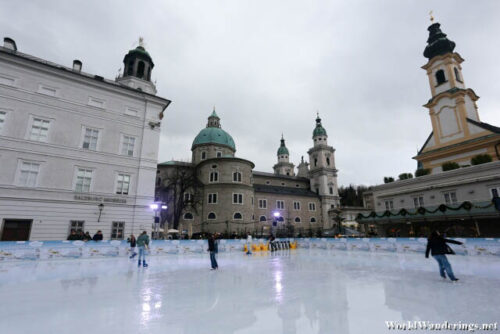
x: 53, y: 250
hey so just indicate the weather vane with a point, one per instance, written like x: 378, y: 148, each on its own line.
x: 141, y: 42
x: 432, y: 17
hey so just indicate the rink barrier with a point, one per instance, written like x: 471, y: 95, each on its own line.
x: 50, y: 250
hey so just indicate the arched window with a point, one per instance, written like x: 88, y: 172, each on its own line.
x: 440, y: 78
x: 313, y: 220
x: 328, y: 161
x: 457, y: 74
x: 297, y: 219
x: 237, y: 215
x: 130, y: 69
x: 203, y: 155
x: 236, y: 177
x: 188, y: 216
x: 281, y: 219
x: 262, y: 218
x: 315, y: 162
x: 211, y: 216
x: 140, y: 69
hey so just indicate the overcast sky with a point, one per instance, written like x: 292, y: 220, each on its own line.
x: 268, y: 66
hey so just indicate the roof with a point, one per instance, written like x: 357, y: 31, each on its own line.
x: 80, y: 73
x: 272, y: 175
x: 437, y: 43
x: 485, y: 126
x: 319, y: 130
x: 213, y: 135
x: 264, y: 188
x: 282, y: 149
x: 140, y: 52
x: 175, y: 163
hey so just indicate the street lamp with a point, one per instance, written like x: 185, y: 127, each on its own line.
x: 276, y: 215
x: 100, y: 207
x: 157, y: 207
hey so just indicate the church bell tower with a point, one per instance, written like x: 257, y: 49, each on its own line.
x: 138, y: 65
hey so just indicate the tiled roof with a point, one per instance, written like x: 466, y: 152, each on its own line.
x: 262, y: 188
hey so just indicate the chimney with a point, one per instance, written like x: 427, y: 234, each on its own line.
x: 77, y: 65
x: 9, y: 43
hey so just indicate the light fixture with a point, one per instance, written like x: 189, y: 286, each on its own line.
x: 153, y: 206
x: 164, y: 207
x: 100, y: 206
x: 276, y: 214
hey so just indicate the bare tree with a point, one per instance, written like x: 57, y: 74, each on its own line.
x: 180, y: 189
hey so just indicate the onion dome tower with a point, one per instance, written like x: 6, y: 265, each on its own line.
x: 322, y: 172
x: 138, y: 65
x: 283, y: 167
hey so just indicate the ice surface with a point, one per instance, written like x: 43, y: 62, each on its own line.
x: 294, y: 291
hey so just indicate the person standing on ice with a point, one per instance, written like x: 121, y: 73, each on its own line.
x: 212, y: 249
x: 142, y: 244
x: 132, y: 242
x: 249, y: 244
x: 436, y: 244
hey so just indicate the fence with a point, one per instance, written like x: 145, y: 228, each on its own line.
x: 52, y: 250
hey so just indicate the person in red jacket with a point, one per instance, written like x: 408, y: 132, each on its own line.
x: 436, y: 244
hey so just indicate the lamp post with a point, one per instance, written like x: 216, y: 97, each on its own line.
x: 276, y: 215
x: 100, y: 207
x: 157, y: 207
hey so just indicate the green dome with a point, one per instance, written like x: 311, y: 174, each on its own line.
x: 212, y: 135
x: 139, y: 52
x: 283, y: 150
x: 319, y: 130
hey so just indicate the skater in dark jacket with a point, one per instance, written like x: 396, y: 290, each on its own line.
x: 132, y: 242
x: 436, y: 244
x: 212, y: 248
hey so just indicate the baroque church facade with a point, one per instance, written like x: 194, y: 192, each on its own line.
x: 219, y: 192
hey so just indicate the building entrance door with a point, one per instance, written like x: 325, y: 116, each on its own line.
x: 16, y: 230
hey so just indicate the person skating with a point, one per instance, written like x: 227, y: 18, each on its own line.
x: 249, y: 244
x: 132, y: 242
x: 436, y: 244
x: 212, y: 249
x: 142, y: 244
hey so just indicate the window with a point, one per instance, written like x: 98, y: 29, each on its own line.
x: 212, y: 198
x: 28, y: 174
x: 252, y: 200
x: 440, y: 78
x: 331, y: 190
x: 203, y: 155
x: 128, y: 144
x: 2, y: 119
x: 296, y: 206
x: 389, y: 205
x: 268, y: 182
x: 328, y: 161
x: 211, y: 216
x: 280, y: 205
x: 237, y: 216
x: 262, y: 203
x: 83, y: 180
x: 237, y: 198
x: 457, y: 74
x: 218, y: 154
x: 117, y: 230
x: 262, y: 218
x: 313, y: 220
x: 282, y: 183
x: 214, y: 177
x: 188, y: 216
x: 236, y: 177
x: 297, y: 219
x: 45, y: 90
x: 315, y: 162
x: 281, y: 219
x: 39, y: 129
x: 140, y: 69
x: 90, y: 137
x: 494, y: 192
x: 122, y: 184
x: 94, y: 102
x: 312, y: 206
x: 450, y: 197
x: 76, y: 225
x: 418, y: 201
x: 188, y: 197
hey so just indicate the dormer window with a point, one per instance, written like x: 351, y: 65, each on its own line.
x: 440, y: 77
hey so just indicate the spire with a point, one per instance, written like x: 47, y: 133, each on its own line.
x: 283, y: 150
x: 319, y: 130
x: 437, y: 43
x: 213, y: 120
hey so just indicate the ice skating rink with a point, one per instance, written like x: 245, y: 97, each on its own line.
x: 293, y: 291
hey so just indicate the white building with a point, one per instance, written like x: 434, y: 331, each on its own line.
x: 77, y: 151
